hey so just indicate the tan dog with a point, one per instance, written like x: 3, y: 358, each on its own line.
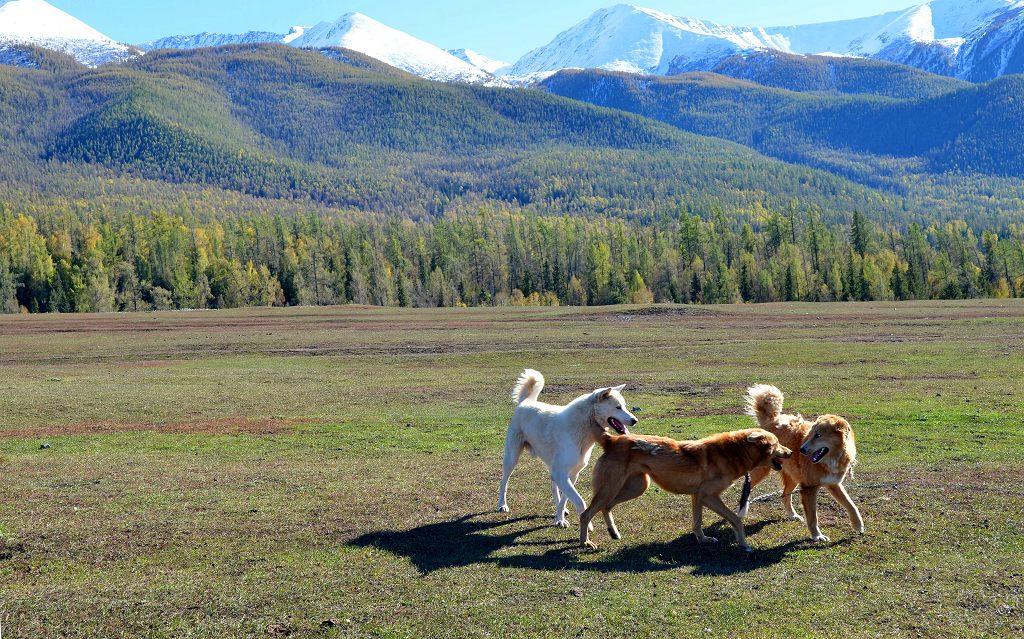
x: 828, y: 453
x: 702, y: 469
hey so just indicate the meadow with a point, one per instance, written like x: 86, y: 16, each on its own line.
x: 333, y: 473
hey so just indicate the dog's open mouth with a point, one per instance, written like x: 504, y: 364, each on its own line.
x: 617, y: 426
x: 776, y: 463
x: 817, y: 455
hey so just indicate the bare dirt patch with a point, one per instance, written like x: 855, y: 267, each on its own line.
x: 688, y: 409
x: 927, y: 377
x: 666, y: 312
x: 221, y: 426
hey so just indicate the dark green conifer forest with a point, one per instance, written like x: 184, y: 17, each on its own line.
x: 261, y: 175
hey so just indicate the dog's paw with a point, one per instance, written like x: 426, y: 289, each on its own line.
x: 707, y: 540
x: 796, y: 517
x: 747, y: 549
x: 614, y: 534
x: 742, y: 513
x: 820, y: 538
x: 588, y: 545
x: 561, y: 523
x: 859, y: 529
x: 503, y: 508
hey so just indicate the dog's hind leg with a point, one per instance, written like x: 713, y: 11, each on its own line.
x: 634, y: 487
x: 840, y: 495
x: 514, y: 446
x: 789, y: 485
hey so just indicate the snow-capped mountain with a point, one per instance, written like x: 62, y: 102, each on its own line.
x: 41, y: 24
x: 948, y: 37
x: 364, y: 34
x: 206, y: 39
x: 636, y: 40
x: 971, y: 39
x: 357, y: 32
x: 478, y: 60
x: 201, y: 40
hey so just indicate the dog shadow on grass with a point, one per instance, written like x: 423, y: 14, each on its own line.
x: 479, y: 539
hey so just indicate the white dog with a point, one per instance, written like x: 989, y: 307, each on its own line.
x: 562, y: 436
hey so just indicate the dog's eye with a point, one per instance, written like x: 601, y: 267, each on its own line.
x: 817, y: 435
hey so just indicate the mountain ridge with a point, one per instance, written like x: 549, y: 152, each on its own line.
x: 975, y: 40
x: 357, y: 32
x: 38, y: 23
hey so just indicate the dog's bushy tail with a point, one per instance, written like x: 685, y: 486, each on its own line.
x: 764, y: 403
x: 528, y: 386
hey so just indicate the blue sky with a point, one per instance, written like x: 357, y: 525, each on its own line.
x: 503, y: 30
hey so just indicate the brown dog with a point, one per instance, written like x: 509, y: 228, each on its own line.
x: 828, y: 454
x: 702, y: 469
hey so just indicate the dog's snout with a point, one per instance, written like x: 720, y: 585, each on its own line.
x: 803, y: 450
x: 634, y: 421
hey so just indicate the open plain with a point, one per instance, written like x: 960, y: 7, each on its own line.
x: 333, y: 473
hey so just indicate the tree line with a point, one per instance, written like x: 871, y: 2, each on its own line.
x: 126, y: 262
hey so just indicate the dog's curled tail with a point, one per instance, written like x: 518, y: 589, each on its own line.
x: 764, y: 402
x: 528, y: 386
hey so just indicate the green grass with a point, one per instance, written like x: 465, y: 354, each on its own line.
x: 332, y: 473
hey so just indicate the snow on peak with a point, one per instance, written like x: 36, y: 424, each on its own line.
x: 635, y: 39
x: 364, y: 34
x: 40, y: 19
x: 640, y: 40
x: 293, y: 34
x: 478, y: 60
x: 206, y: 39
x: 39, y: 23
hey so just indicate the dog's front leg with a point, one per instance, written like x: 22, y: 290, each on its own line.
x: 586, y: 527
x: 840, y: 495
x: 575, y: 477
x: 809, y: 498
x: 559, y: 500
x: 561, y: 479
x: 715, y: 503
x: 698, y: 522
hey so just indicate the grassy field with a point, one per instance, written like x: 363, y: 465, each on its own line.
x: 333, y: 473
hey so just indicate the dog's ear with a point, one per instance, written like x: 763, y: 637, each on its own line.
x: 602, y: 394
x: 619, y: 388
x: 755, y: 436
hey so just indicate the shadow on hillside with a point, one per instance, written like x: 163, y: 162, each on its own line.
x: 474, y: 540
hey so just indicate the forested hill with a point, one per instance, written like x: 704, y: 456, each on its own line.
x: 970, y: 128
x: 903, y: 131
x: 818, y: 73
x: 264, y: 174
x: 275, y: 122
